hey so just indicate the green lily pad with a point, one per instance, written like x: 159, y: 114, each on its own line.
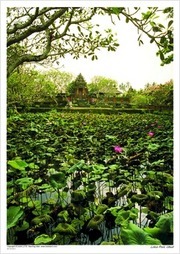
x: 153, y: 147
x: 133, y: 235
x: 44, y: 239
x: 65, y: 228
x: 23, y: 227
x: 95, y: 221
x: 139, y: 198
x: 155, y: 194
x: 63, y: 215
x: 58, y: 180
x: 101, y: 208
x: 165, y: 222
x: 25, y: 182
x: 18, y: 164
x: 14, y: 213
x: 41, y: 219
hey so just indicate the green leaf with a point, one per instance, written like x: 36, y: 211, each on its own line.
x: 18, y: 164
x: 36, y: 204
x: 133, y: 235
x: 45, y: 218
x: 147, y: 14
x: 170, y: 23
x: 153, y: 147
x: 25, y: 182
x: 123, y: 217
x: 33, y: 166
x: 14, y: 213
x: 117, y: 10
x: 58, y: 180
x: 165, y: 222
x: 161, y: 55
x: 111, y: 137
x: 63, y: 215
x: 156, y: 29
x: 79, y: 29
x: 76, y: 167
x: 23, y: 227
x: 154, y: 232
x: 44, y: 239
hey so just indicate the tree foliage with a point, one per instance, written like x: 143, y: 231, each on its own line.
x: 149, y: 22
x: 100, y: 84
x: 153, y: 95
x: 49, y: 33
x: 27, y: 86
x: 39, y: 34
x: 124, y: 88
x: 60, y: 79
x: 161, y: 94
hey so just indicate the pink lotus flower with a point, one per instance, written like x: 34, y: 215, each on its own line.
x: 150, y: 134
x: 118, y: 149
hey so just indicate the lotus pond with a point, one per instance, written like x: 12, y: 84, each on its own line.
x: 78, y: 179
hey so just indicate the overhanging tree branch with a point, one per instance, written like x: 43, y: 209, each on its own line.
x: 48, y: 30
x: 34, y: 29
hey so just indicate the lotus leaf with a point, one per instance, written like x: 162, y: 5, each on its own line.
x: 44, y: 239
x: 169, y: 203
x: 25, y: 182
x: 65, y: 228
x: 165, y: 222
x: 123, y: 191
x: 76, y: 167
x: 155, y: 194
x: 33, y: 166
x: 23, y: 227
x: 123, y: 217
x: 139, y: 198
x: 63, y: 215
x: 95, y: 221
x: 152, y: 216
x: 164, y: 237
x: 154, y: 232
x: 133, y: 235
x: 153, y: 147
x: 24, y: 200
x: 77, y: 223
x: 14, y: 214
x: 45, y: 188
x: 101, y: 208
x: 58, y: 180
x: 78, y: 196
x: 18, y: 164
x: 35, y: 204
x: 166, y: 176
x: 41, y: 219
x: 114, y: 210
x: 121, y: 180
x: 107, y: 243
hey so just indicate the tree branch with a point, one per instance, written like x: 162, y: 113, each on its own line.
x: 31, y: 57
x: 24, y: 25
x: 38, y: 28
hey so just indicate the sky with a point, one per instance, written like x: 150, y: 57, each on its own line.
x: 131, y: 63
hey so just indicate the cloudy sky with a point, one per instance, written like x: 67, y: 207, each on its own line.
x: 132, y: 63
